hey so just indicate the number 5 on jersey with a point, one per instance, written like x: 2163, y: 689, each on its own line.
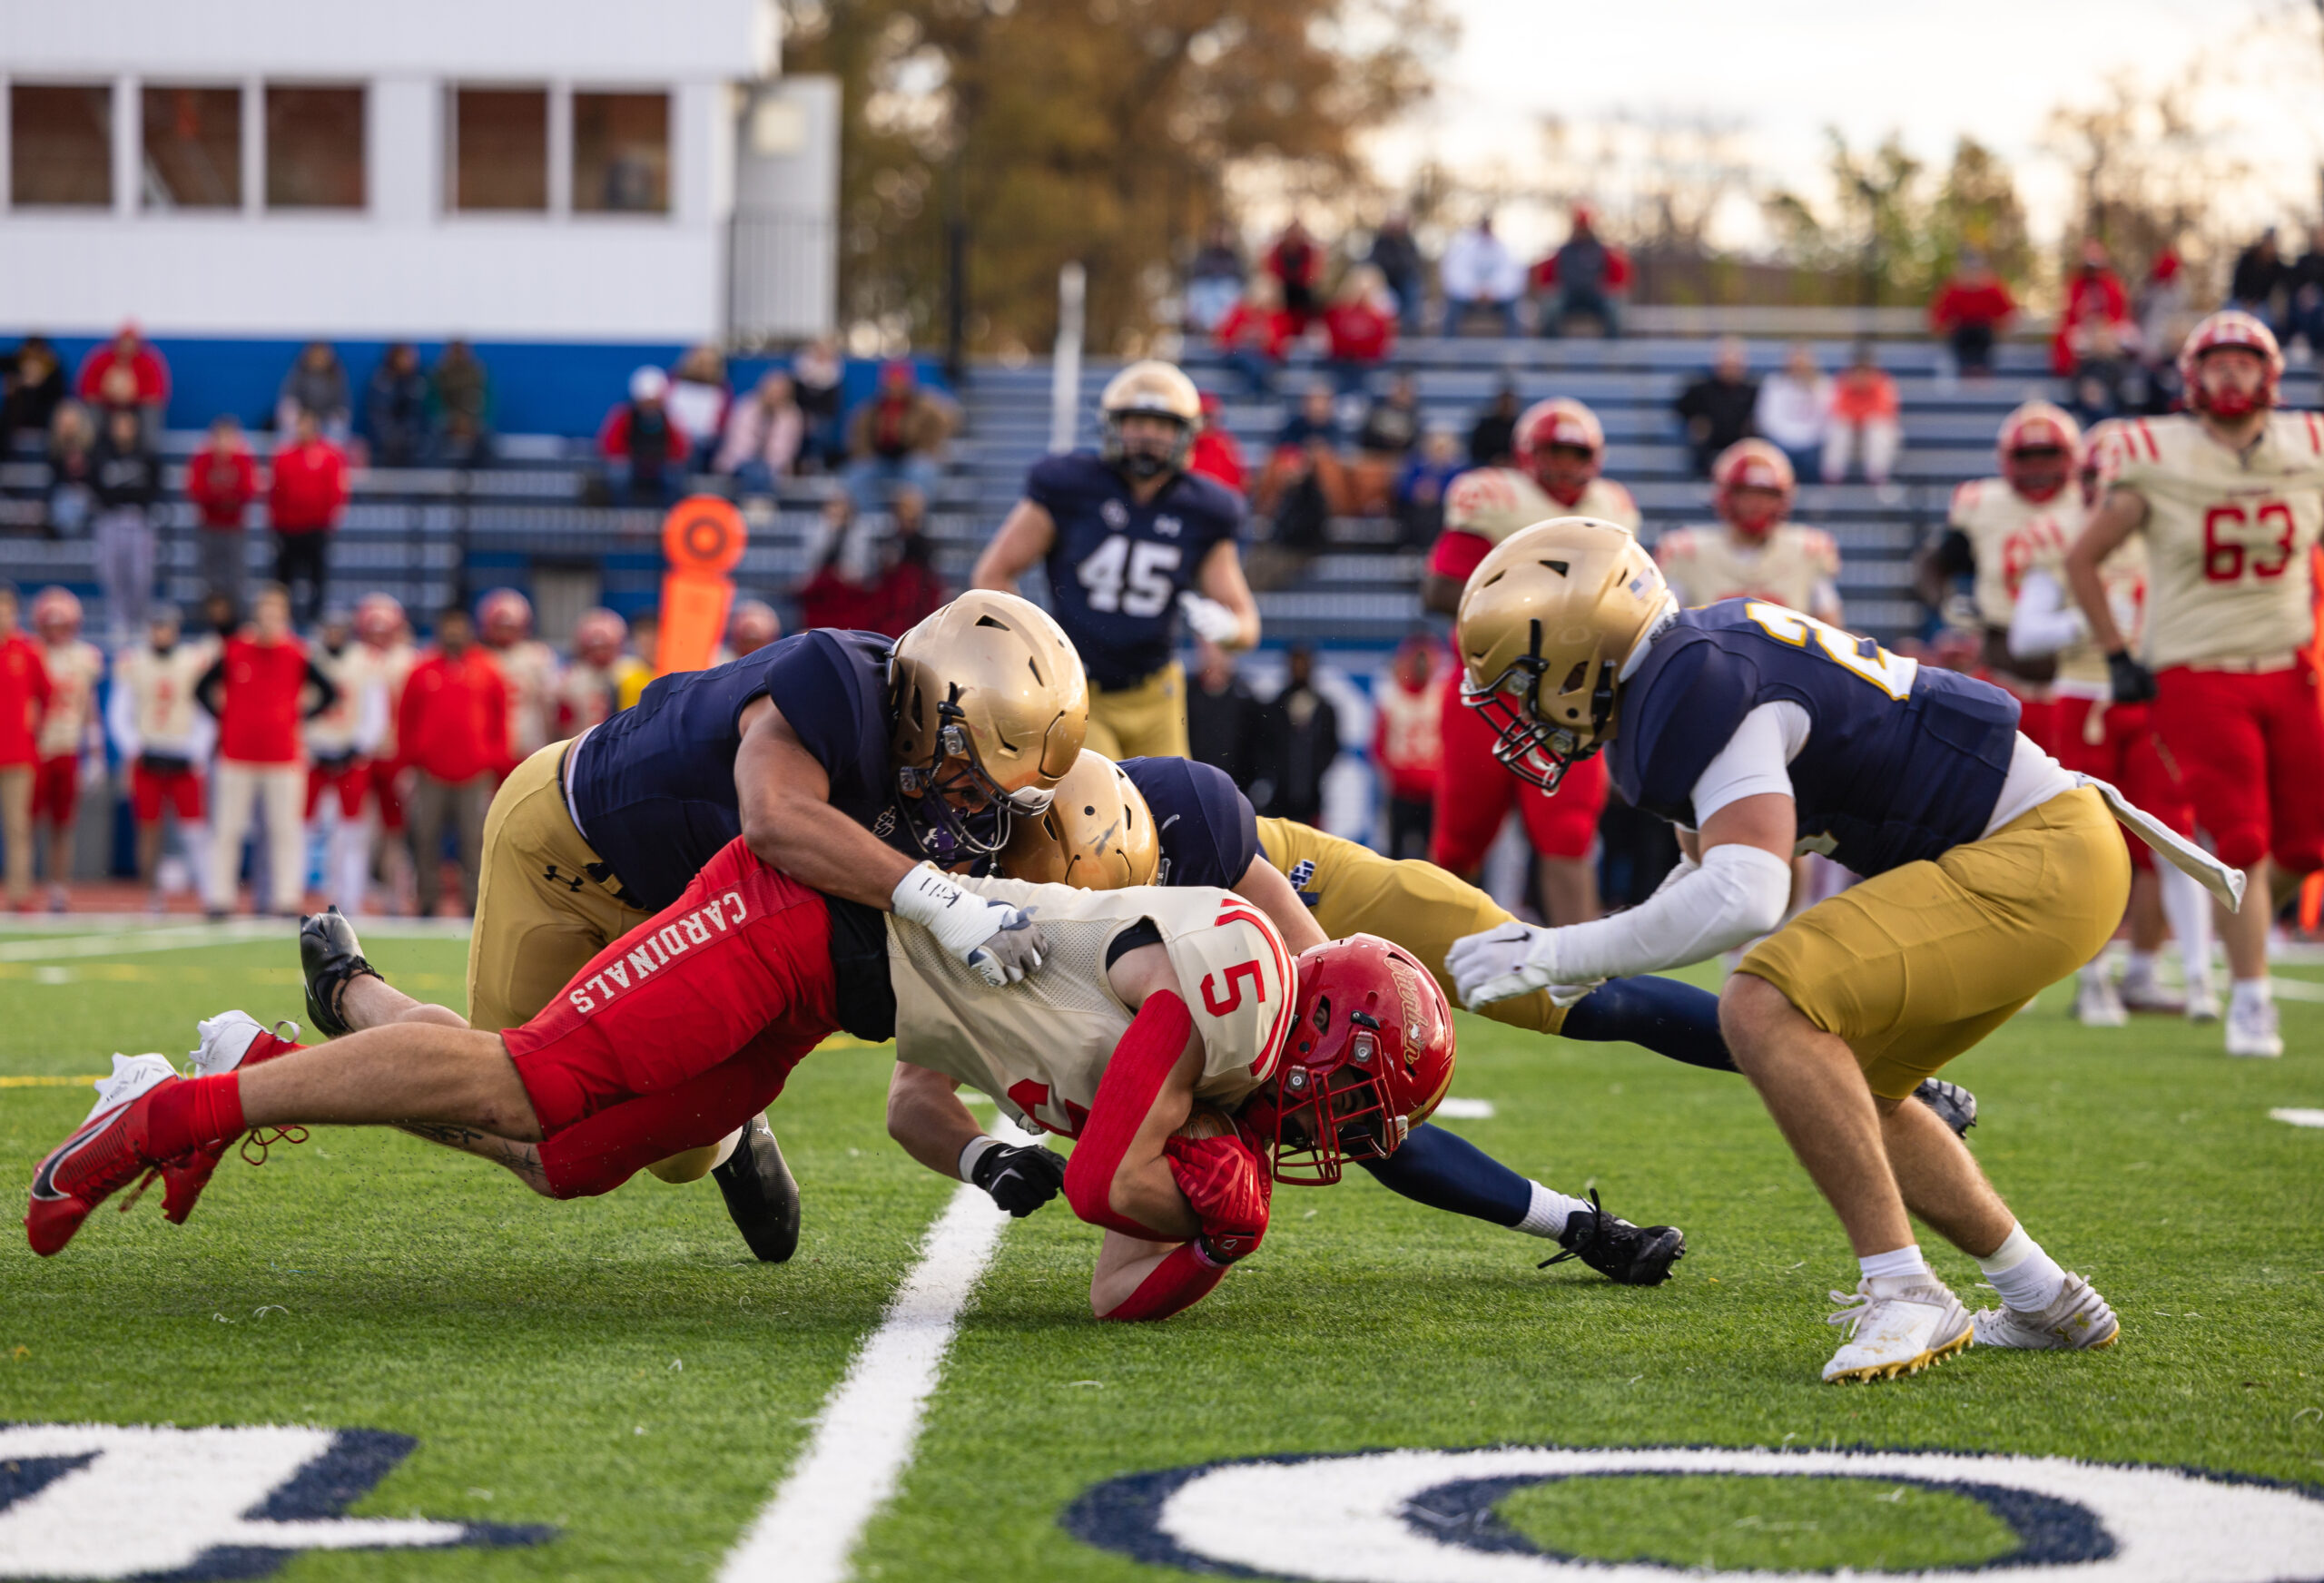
x: 1131, y: 577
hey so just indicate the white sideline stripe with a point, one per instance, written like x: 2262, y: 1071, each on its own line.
x: 194, y: 937
x: 2299, y: 1117
x: 1456, y: 1108
x: 2295, y: 988
x: 865, y: 1435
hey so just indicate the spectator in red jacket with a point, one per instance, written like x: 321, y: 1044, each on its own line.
x: 222, y: 481
x: 1406, y: 742
x: 2097, y: 316
x: 452, y: 731
x: 1255, y: 333
x: 1585, y: 279
x: 1361, y: 324
x: 24, y: 700
x: 645, y: 448
x: 1297, y: 265
x: 126, y: 371
x: 260, y: 689
x: 1970, y: 311
x: 309, y: 493
x: 1217, y: 453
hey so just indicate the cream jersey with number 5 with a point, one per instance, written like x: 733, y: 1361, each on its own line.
x: 2228, y: 535
x: 1040, y: 1047
x: 1797, y: 567
x: 2009, y: 535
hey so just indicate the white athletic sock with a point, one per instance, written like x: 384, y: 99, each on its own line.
x: 1903, y: 1261
x: 1546, y: 1215
x: 2028, y: 1279
x: 2250, y: 992
x: 2188, y: 907
x: 2093, y: 971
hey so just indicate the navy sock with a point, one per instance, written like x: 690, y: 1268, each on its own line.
x: 1447, y: 1172
x: 1666, y: 1017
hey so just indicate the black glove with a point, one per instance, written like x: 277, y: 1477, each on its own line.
x: 1020, y: 1177
x: 2134, y: 683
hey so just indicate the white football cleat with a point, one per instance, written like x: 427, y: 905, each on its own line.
x: 1897, y: 1324
x: 2251, y: 1030
x: 227, y: 1037
x: 2096, y: 1004
x: 2203, y: 1000
x: 2142, y: 990
x: 2077, y: 1319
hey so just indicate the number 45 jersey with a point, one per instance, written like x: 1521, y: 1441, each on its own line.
x: 2228, y: 535
x: 1039, y: 1047
x: 1902, y: 761
x: 1116, y: 568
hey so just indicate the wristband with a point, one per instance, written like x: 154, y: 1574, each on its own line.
x: 974, y: 1150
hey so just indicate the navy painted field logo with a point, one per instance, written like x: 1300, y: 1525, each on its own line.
x: 1427, y: 1516
x: 131, y: 1501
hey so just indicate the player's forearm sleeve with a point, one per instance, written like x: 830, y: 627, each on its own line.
x: 1739, y: 893
x: 1175, y: 1286
x: 2044, y: 620
x: 1148, y: 1049
x: 1447, y: 1172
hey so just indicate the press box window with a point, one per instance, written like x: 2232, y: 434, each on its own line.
x: 193, y: 147
x: 621, y: 153
x: 314, y: 148
x: 497, y: 149
x: 60, y: 145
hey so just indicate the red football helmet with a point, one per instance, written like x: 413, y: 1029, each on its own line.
x: 378, y: 619
x: 57, y: 614
x: 598, y: 635
x: 753, y: 625
x: 505, y: 618
x: 1752, y: 464
x: 2039, y: 426
x: 1369, y: 1057
x: 2230, y: 327
x: 1560, y: 422
x: 2097, y: 455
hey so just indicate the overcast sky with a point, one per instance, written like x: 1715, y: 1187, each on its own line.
x: 1786, y: 69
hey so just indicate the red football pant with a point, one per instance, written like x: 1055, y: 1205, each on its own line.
x: 1474, y: 794
x: 2126, y: 756
x: 350, y: 780
x: 56, y: 788
x: 696, y: 1016
x: 382, y: 776
x: 149, y: 790
x: 2249, y: 753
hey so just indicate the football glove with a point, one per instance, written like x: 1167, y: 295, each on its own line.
x: 1222, y: 1180
x: 999, y: 941
x: 2134, y: 683
x: 1020, y: 1177
x: 1210, y: 619
x: 1497, y: 965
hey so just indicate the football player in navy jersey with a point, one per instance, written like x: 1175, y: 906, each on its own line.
x: 1131, y: 540
x: 1990, y: 873
x: 851, y: 764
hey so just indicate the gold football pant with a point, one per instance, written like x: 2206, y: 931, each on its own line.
x: 1147, y: 720
x: 1410, y: 903
x: 1917, y: 965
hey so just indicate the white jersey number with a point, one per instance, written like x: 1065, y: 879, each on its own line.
x: 1129, y: 577
x: 1860, y: 654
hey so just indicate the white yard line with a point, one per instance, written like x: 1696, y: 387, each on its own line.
x: 2299, y: 1117
x: 2296, y: 988
x: 1455, y: 1109
x: 136, y: 941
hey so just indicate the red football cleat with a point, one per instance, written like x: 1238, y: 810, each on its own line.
x: 104, y: 1155
x: 230, y: 1041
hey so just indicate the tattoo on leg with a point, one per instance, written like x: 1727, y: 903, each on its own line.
x: 523, y: 1159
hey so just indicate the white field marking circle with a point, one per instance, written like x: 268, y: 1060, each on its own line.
x: 1456, y: 1108
x: 1353, y: 1518
x: 2299, y: 1117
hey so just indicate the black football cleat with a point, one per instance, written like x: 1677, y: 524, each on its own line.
x: 1954, y: 1105
x: 1630, y: 1256
x: 329, y: 956
x: 761, y: 1193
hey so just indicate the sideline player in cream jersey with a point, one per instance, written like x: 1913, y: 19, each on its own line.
x: 505, y: 623
x: 2229, y: 496
x: 1757, y: 551
x: 71, y: 744
x: 378, y: 663
x: 338, y: 744
x: 586, y: 689
x: 164, y: 740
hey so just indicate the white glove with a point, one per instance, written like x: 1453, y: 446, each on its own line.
x: 1498, y: 965
x: 1211, y: 620
x: 999, y: 941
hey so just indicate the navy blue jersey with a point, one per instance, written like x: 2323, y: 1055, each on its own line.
x: 654, y: 784
x: 1205, y: 827
x: 1903, y: 762
x: 1116, y: 568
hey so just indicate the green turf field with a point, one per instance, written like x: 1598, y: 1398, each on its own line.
x: 620, y: 1371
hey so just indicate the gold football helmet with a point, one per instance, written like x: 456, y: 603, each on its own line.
x: 1156, y: 389
x: 1546, y: 622
x: 1096, y: 833
x: 990, y: 701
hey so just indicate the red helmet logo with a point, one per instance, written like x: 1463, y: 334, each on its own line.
x: 2231, y: 327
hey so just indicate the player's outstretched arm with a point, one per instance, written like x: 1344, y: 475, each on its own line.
x: 785, y: 798
x: 1262, y: 885
x: 1220, y: 579
x: 926, y: 1116
x: 2116, y: 518
x: 1022, y: 543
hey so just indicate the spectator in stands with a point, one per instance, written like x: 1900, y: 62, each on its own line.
x: 1214, y: 280
x: 894, y: 440
x: 127, y: 485
x: 70, y: 745
x: 1222, y: 716
x: 1479, y: 275
x: 698, y: 400
x: 452, y: 731
x: 2257, y: 277
x: 24, y: 700
x: 643, y: 448
x: 1297, y: 265
x: 258, y: 689
x: 1360, y: 328
x: 1717, y: 408
x: 2165, y: 312
x: 305, y: 500
x: 222, y: 481
x: 1585, y: 279
x: 459, y: 405
x: 1390, y: 430
x: 1406, y: 745
x: 2304, y: 295
x: 2094, y: 298
x: 751, y: 625
x: 837, y: 591
x: 32, y: 387
x: 1304, y: 484
x: 1256, y: 334
x: 907, y: 589
x: 2107, y: 381
x: 69, y: 490
x: 1396, y: 256
x: 317, y: 383
x: 1492, y: 438
x: 1217, y: 453
x: 817, y: 375
x: 1299, y: 737
x: 126, y: 371
x: 1420, y: 488
x: 1865, y: 422
x: 159, y: 735
x: 395, y: 408
x: 764, y: 435
x: 1970, y: 310
x: 1795, y: 410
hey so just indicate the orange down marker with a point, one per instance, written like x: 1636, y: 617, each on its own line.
x: 703, y: 539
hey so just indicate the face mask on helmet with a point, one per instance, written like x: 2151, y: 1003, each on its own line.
x: 1146, y: 445
x: 952, y: 808
x: 2232, y: 380
x: 1564, y: 471
x: 1529, y: 747
x: 2039, y: 472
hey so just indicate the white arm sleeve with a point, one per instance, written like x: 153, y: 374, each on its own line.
x: 121, y: 717
x: 1738, y: 894
x: 1756, y: 759
x: 2046, y: 620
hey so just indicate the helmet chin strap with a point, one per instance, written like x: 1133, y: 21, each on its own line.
x: 1144, y: 465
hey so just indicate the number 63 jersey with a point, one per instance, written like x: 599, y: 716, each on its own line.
x: 1039, y: 1047
x: 1116, y: 568
x: 2228, y: 535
